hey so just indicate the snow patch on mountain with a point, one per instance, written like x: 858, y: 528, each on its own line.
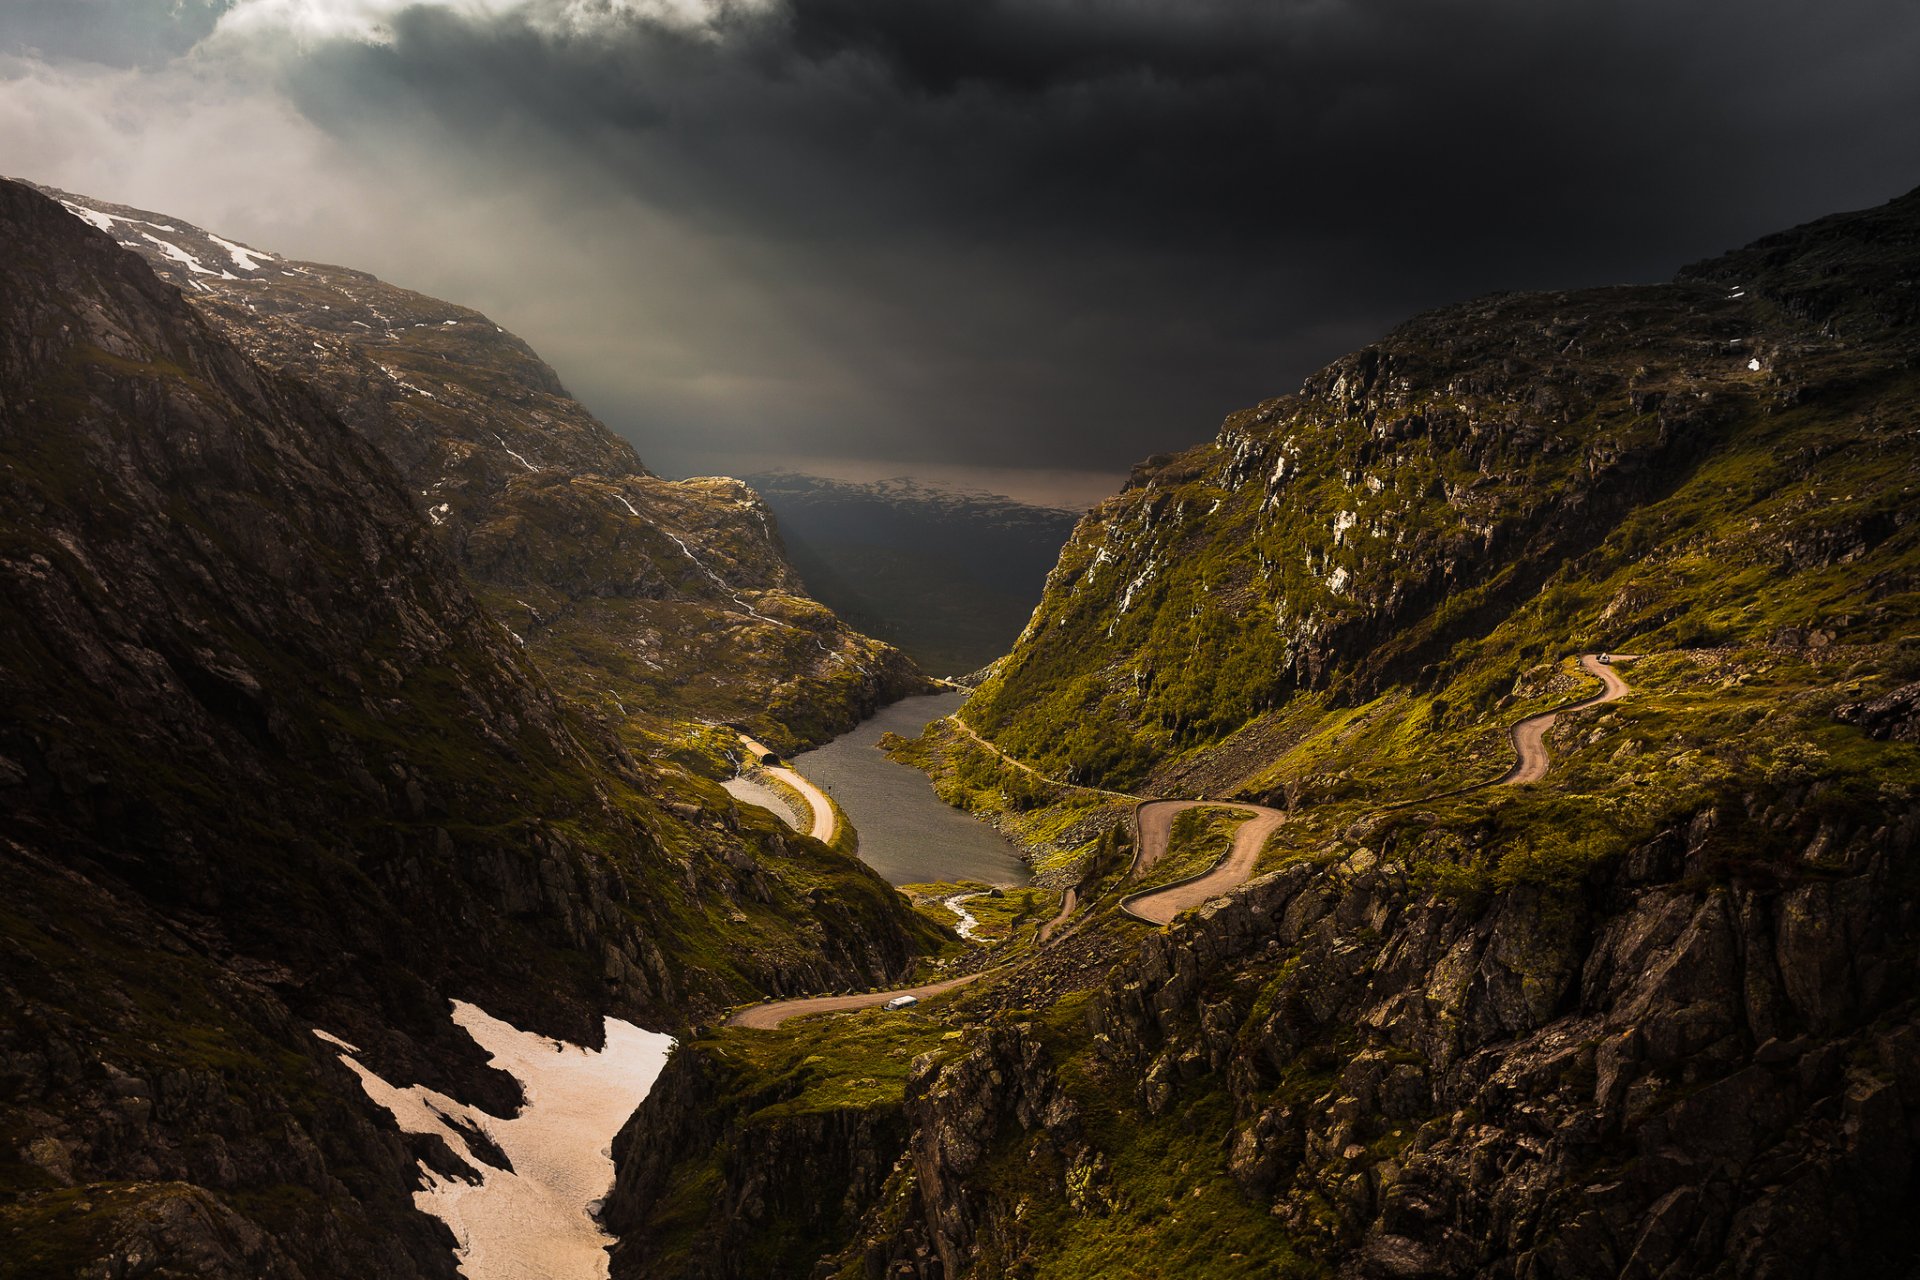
x: 244, y: 258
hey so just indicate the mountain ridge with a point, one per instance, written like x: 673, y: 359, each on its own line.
x: 268, y: 765
x: 669, y: 604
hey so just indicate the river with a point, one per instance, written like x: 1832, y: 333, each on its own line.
x: 906, y: 833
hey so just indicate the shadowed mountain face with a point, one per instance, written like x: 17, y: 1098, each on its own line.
x: 267, y: 764
x: 657, y: 601
x: 950, y: 577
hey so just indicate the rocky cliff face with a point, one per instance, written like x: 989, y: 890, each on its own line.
x: 792, y: 1184
x: 1654, y: 1015
x: 1674, y: 1073
x: 1664, y: 1075
x: 658, y: 601
x: 268, y: 765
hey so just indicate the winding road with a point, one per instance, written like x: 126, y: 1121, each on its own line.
x: 1153, y: 824
x: 765, y: 1017
x: 1069, y: 901
x: 1530, y: 735
x: 824, y: 823
x: 1028, y: 769
x: 1153, y: 828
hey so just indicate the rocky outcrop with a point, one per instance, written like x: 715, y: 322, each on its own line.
x: 720, y: 1175
x: 1892, y: 717
x: 719, y: 1178
x: 1005, y: 1088
x: 1668, y: 1071
x: 1671, y: 1073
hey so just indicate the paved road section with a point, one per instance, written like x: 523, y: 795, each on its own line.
x: 1530, y: 735
x: 797, y: 816
x: 1153, y: 822
x: 765, y: 1017
x: 824, y: 822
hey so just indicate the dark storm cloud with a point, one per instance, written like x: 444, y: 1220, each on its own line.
x: 1081, y: 231
x: 1071, y: 232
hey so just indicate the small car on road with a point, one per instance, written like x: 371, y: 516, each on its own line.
x: 902, y: 1002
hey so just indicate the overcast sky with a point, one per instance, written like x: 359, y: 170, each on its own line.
x: 973, y: 238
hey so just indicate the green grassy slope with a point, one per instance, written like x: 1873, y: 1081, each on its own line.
x: 1340, y: 606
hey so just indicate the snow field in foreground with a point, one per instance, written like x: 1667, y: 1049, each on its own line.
x: 536, y: 1222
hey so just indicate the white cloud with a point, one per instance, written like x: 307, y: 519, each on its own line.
x: 303, y: 23
x: 222, y: 149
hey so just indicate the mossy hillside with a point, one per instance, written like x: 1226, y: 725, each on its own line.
x: 770, y: 909
x: 1702, y: 729
x: 1157, y: 1200
x: 1634, y: 486
x: 1747, y: 736
x: 1165, y: 1204
x: 676, y: 650
x: 1003, y: 918
x: 1015, y: 915
x: 1750, y: 735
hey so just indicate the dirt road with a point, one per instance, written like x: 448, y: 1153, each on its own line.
x: 1068, y: 902
x: 767, y: 1016
x: 1028, y: 769
x: 824, y: 823
x: 1153, y: 823
x: 1529, y: 735
x: 1153, y: 828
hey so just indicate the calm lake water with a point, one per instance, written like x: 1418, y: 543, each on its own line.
x: 906, y: 833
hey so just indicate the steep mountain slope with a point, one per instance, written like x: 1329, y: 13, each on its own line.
x: 1655, y: 1014
x: 657, y: 601
x: 1720, y: 460
x: 951, y: 577
x: 267, y: 765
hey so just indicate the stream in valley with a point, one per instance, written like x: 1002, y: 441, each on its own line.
x: 906, y: 833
